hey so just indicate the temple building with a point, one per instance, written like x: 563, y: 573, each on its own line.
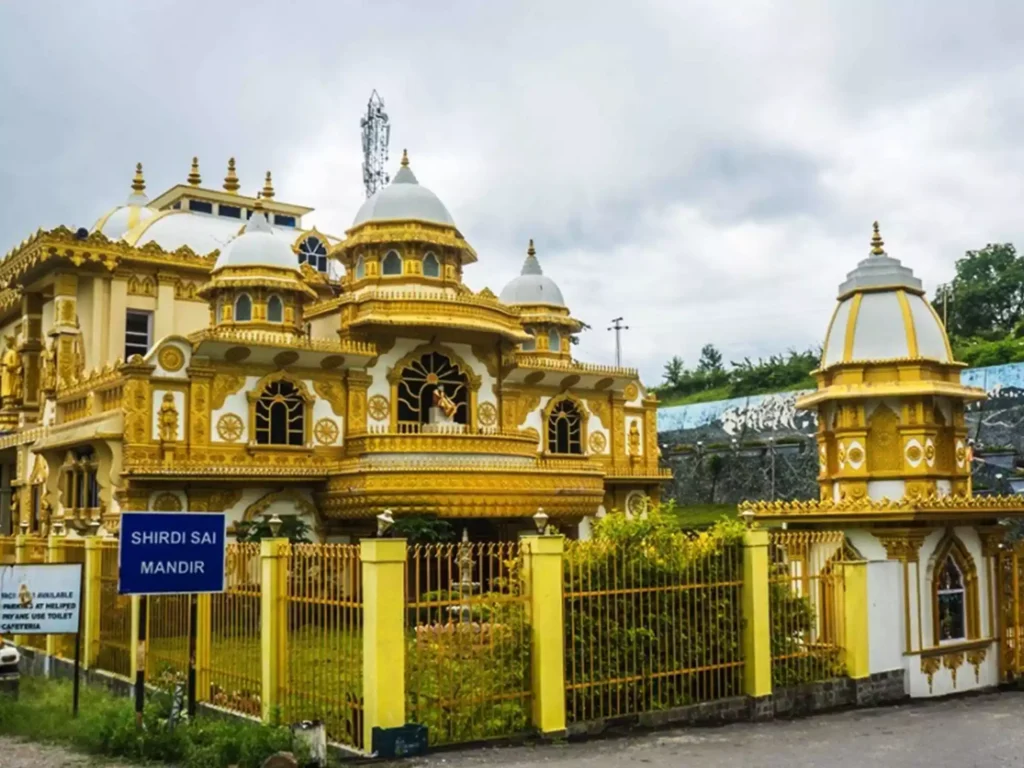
x: 205, y: 350
x: 894, y: 476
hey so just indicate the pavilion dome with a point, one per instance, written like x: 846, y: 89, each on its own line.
x: 532, y: 286
x: 257, y: 246
x: 404, y: 199
x: 116, y: 222
x: 883, y: 315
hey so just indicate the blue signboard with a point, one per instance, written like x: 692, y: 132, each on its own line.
x: 171, y: 553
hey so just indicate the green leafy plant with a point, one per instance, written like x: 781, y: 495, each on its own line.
x: 293, y: 528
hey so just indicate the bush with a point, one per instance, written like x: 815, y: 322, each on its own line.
x: 106, y: 726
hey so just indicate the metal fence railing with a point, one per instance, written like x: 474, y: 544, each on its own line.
x: 115, y: 641
x: 651, y: 624
x: 468, y: 646
x: 235, y: 674
x: 806, y: 604
x: 324, y: 606
x: 35, y: 552
x: 167, y: 639
x: 73, y: 552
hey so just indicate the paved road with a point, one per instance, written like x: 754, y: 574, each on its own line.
x: 983, y: 730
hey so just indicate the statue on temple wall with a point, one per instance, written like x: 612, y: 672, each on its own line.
x: 48, y: 368
x: 634, y: 439
x: 12, y: 372
x: 443, y: 402
x: 168, y: 419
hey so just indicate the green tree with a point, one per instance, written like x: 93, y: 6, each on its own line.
x: 293, y: 528
x: 710, y: 359
x: 674, y: 371
x: 986, y: 297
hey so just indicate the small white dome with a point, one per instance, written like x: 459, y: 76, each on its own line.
x: 883, y: 315
x: 404, y: 198
x: 532, y: 286
x: 257, y: 246
x: 123, y: 218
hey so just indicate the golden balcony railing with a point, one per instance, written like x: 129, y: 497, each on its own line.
x: 455, y: 438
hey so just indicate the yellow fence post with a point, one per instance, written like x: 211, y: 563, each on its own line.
x: 544, y: 569
x: 21, y: 555
x: 92, y: 602
x: 204, y: 646
x: 855, y: 619
x: 383, y: 566
x: 757, y: 651
x: 273, y: 617
x: 54, y: 554
x: 136, y: 653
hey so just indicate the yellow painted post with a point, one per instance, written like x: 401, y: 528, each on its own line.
x: 54, y: 554
x: 137, y: 653
x: 855, y: 619
x: 757, y: 651
x: 383, y: 567
x: 21, y: 555
x: 543, y: 577
x: 91, y: 601
x: 204, y: 646
x: 273, y: 630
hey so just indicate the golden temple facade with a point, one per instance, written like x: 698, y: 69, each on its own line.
x: 203, y: 350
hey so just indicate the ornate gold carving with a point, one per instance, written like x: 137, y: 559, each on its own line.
x: 598, y: 442
x: 856, y: 455
x: 12, y: 372
x: 952, y: 662
x: 48, y: 368
x: 136, y: 407
x: 209, y: 500
x: 199, y: 409
x: 929, y: 452
x: 976, y: 658
x: 902, y: 545
x: 487, y: 414
x: 171, y: 359
x: 333, y: 392
x: 634, y: 438
x: 229, y: 427
x: 185, y: 290
x: 526, y: 405
x: 167, y: 502
x: 599, y: 407
x: 883, y: 440
x: 905, y: 507
x: 167, y: 419
x: 326, y: 432
x: 488, y: 357
x: 929, y: 666
x: 302, y: 504
x: 395, y: 374
x: 141, y: 285
x: 225, y: 384
x: 378, y: 408
x: 914, y: 454
x: 631, y: 392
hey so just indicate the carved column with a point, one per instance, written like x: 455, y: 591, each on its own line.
x: 358, y: 383
x: 66, y: 332
x: 31, y: 347
x: 138, y: 412
x: 200, y: 374
x: 904, y: 544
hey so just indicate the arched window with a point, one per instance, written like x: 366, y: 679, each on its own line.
x: 218, y: 313
x: 313, y: 251
x: 243, y: 308
x: 419, y: 380
x: 360, y: 268
x: 275, y: 309
x: 281, y: 415
x: 950, y: 602
x: 431, y: 266
x: 531, y: 345
x: 554, y: 341
x: 392, y: 264
x: 565, y: 428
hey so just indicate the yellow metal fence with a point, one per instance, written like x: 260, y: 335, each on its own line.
x: 806, y: 603
x: 115, y: 620
x: 651, y: 625
x: 233, y: 675
x: 72, y: 551
x: 167, y: 639
x: 468, y: 641
x: 34, y: 551
x: 324, y: 609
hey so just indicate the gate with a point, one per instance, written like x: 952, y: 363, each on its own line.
x: 1010, y: 583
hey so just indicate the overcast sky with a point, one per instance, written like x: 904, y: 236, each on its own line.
x: 708, y: 170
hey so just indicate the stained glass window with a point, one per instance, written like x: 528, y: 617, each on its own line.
x: 312, y: 251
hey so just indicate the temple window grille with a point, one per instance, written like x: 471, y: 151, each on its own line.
x: 531, y: 344
x: 416, y: 389
x: 565, y: 428
x: 313, y: 251
x: 138, y: 332
x: 81, y: 486
x: 281, y: 415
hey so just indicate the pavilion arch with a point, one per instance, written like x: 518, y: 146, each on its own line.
x: 563, y: 428
x: 412, y: 362
x: 303, y: 506
x: 951, y: 551
x: 274, y: 392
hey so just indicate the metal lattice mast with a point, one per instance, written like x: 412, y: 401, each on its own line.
x: 376, y: 131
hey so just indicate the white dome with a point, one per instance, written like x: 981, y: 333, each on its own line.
x: 883, y: 315
x: 404, y: 198
x: 257, y: 246
x: 532, y: 286
x: 122, y: 219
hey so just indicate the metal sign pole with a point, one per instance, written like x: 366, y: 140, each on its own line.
x: 140, y: 661
x: 78, y: 647
x: 193, y: 617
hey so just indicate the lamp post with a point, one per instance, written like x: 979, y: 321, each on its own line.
x: 540, y: 521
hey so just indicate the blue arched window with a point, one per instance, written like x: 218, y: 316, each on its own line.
x: 243, y: 308
x: 275, y: 309
x: 554, y: 341
x: 313, y: 251
x: 431, y: 266
x: 392, y: 264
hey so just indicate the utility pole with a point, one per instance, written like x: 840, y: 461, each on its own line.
x: 618, y: 327
x: 945, y: 307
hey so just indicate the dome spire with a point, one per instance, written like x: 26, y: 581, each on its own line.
x: 138, y: 182
x: 231, y: 180
x: 531, y: 266
x: 405, y: 158
x: 268, y: 188
x: 876, y: 241
x: 193, y: 175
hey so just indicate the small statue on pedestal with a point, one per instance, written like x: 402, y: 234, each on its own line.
x: 443, y: 404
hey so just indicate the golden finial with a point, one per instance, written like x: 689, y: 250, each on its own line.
x: 876, y: 241
x: 138, y: 183
x: 231, y: 180
x: 405, y: 158
x: 268, y: 187
x: 193, y: 175
x: 531, y: 251
x: 258, y: 205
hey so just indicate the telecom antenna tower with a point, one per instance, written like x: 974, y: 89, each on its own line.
x: 376, y: 131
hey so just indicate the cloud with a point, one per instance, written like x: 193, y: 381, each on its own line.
x: 707, y: 170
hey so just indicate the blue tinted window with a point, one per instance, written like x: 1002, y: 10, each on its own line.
x: 200, y: 206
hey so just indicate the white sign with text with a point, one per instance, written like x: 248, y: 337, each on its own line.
x: 40, y: 599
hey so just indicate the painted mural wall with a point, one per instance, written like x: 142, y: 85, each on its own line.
x: 762, y: 447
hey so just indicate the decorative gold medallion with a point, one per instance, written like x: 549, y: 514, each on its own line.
x: 636, y: 503
x: 856, y: 454
x: 961, y: 455
x: 171, y: 359
x: 914, y: 453
x: 631, y: 391
x: 326, y: 432
x: 229, y: 427
x: 597, y: 442
x: 378, y: 408
x: 929, y: 452
x: 487, y: 414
